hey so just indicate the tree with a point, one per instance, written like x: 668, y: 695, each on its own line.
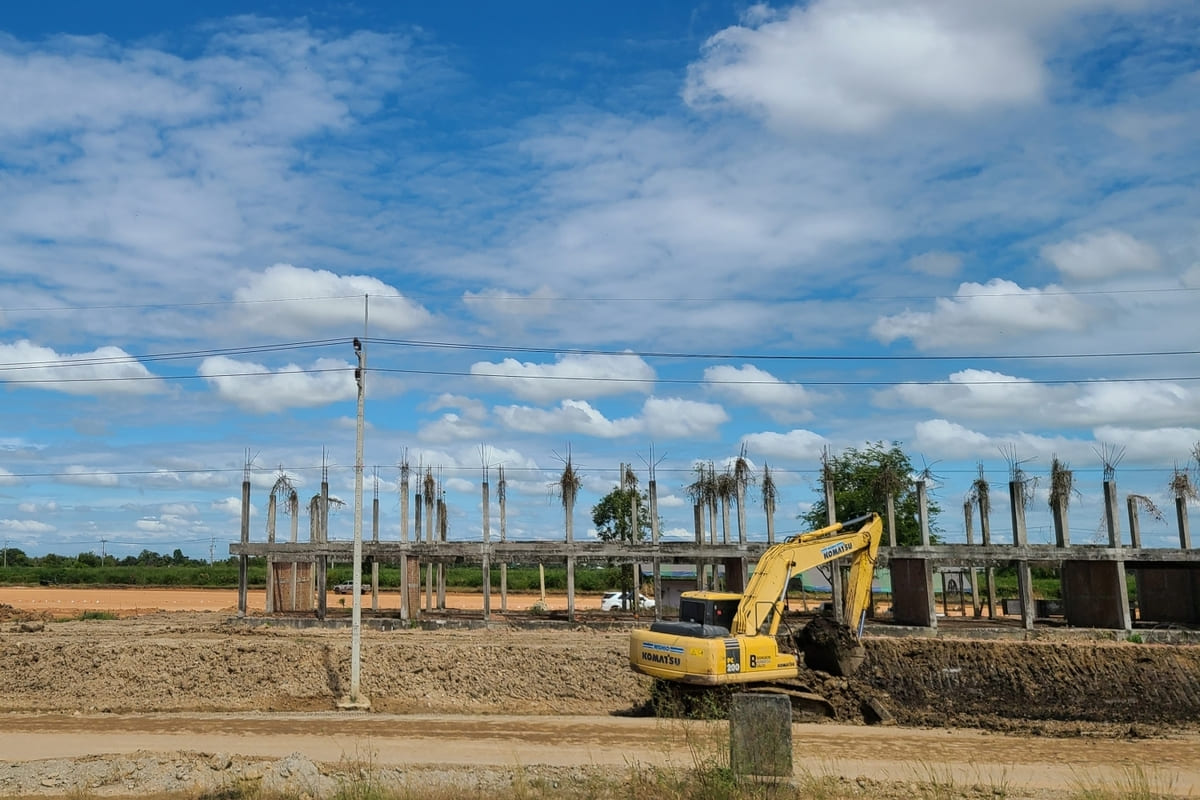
x: 613, y: 517
x: 862, y: 480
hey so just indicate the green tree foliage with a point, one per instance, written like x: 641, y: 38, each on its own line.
x: 613, y: 519
x: 862, y: 480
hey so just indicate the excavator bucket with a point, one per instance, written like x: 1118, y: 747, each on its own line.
x: 831, y: 647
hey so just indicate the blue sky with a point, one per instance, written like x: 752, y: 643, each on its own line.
x: 604, y: 229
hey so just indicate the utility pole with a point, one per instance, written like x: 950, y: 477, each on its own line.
x: 356, y: 699
x: 6, y: 553
x: 103, y: 542
x: 212, y: 546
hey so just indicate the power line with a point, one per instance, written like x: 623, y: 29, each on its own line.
x: 419, y: 296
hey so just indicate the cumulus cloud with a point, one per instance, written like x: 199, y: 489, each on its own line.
x: 1102, y: 254
x: 85, y: 476
x: 105, y: 370
x: 258, y: 388
x: 295, y: 301
x: 667, y: 418
x: 578, y: 376
x: 979, y: 312
x: 571, y: 416
x: 987, y: 395
x: 941, y: 438
x: 1168, y: 445
x: 853, y: 66
x: 178, y: 509
x: 25, y: 526
x: 451, y: 428
x: 795, y: 445
x: 49, y: 507
x: 231, y: 506
x: 7, y: 478
x: 752, y: 386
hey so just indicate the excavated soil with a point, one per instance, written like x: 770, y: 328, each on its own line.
x: 208, y: 662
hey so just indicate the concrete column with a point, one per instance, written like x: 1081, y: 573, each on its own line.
x: 269, y: 605
x: 571, y: 588
x: 835, y: 567
x: 1025, y: 595
x: 243, y: 561
x: 657, y: 563
x: 1181, y: 516
x: 891, y: 519
x: 760, y: 734
x: 1135, y: 527
x: 487, y: 565
x: 985, y: 531
x: 969, y: 524
x: 923, y: 512
x: 503, y: 498
x: 1111, y: 520
x: 1062, y: 531
x: 374, y: 561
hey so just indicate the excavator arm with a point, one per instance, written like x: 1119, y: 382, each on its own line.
x: 701, y: 648
x: 762, y: 603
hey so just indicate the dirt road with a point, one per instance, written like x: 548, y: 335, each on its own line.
x: 964, y: 758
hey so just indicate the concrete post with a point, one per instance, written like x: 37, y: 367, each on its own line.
x: 487, y: 565
x: 1135, y: 527
x: 1062, y: 532
x: 375, y: 538
x: 1181, y: 516
x: 243, y: 561
x: 503, y: 498
x: 698, y: 519
x: 835, y: 566
x: 658, y: 596
x: 269, y: 606
x: 969, y: 523
x: 760, y: 734
x: 985, y: 531
x: 1021, y: 538
x: 891, y: 519
x: 1112, y: 521
x: 923, y: 512
x: 571, y: 588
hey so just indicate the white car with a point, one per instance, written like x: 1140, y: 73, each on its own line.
x: 616, y: 601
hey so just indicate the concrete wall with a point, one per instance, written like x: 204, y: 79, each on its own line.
x: 1169, y: 594
x: 912, y: 592
x: 1095, y: 594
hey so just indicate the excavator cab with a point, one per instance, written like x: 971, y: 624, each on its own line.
x: 709, y: 608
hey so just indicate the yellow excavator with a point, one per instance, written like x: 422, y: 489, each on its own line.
x: 724, y: 638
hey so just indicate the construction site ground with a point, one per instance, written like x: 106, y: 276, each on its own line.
x: 176, y: 694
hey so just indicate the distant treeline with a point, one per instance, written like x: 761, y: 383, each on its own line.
x: 149, y: 568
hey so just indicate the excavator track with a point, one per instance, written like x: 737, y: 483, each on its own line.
x: 671, y: 699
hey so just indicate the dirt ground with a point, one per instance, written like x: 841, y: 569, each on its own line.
x: 168, y: 701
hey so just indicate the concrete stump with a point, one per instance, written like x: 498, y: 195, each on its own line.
x: 760, y: 734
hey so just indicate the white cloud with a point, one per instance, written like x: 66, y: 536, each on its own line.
x: 942, y: 439
x: 1191, y: 276
x: 25, y: 526
x: 151, y: 525
x: 7, y: 478
x: 852, y: 66
x: 750, y: 385
x: 571, y: 416
x: 580, y: 376
x: 49, y: 507
x: 257, y: 388
x: 467, y: 407
x: 1166, y: 446
x: 105, y: 370
x: 231, y: 506
x: 292, y: 301
x: 451, y: 428
x: 178, y: 509
x: 84, y: 476
x: 672, y: 417
x: 460, y: 485
x: 937, y: 263
x: 986, y: 395
x: 673, y: 501
x: 795, y: 445
x: 981, y: 312
x: 1102, y: 254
